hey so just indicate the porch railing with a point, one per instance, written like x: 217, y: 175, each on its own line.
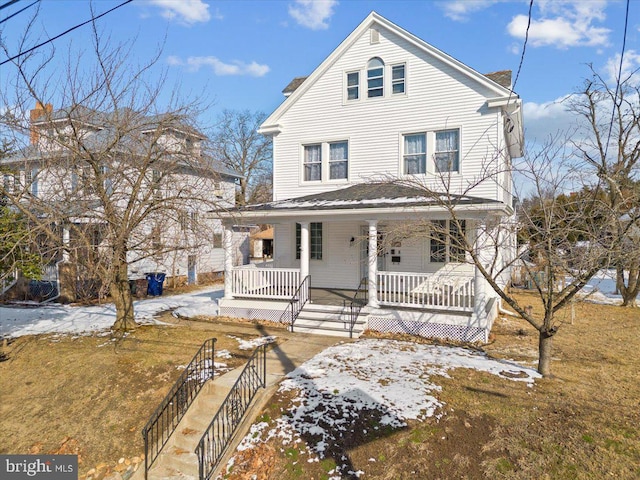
x: 359, y: 300
x: 298, y: 300
x: 272, y: 283
x: 167, y: 416
x: 219, y: 433
x: 451, y: 292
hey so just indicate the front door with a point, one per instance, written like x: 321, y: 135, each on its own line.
x: 364, y: 252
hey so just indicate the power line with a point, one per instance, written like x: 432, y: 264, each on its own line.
x: 615, y: 96
x: 64, y: 33
x: 8, y: 4
x: 19, y: 11
x: 524, y: 46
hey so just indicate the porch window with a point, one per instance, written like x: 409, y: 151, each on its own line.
x: 375, y: 78
x: 447, y: 154
x: 338, y: 160
x: 415, y: 154
x: 397, y: 79
x: 353, y: 85
x: 447, y: 241
x: 315, y: 240
x: 312, y: 163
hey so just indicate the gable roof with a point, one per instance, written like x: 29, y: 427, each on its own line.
x: 270, y: 125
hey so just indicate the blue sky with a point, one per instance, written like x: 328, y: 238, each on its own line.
x: 241, y: 54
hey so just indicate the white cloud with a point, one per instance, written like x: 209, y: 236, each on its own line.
x: 548, y: 119
x: 564, y: 24
x: 459, y: 10
x: 630, y: 65
x: 313, y: 14
x: 219, y: 67
x: 185, y: 11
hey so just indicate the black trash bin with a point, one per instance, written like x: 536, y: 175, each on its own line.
x: 155, y: 281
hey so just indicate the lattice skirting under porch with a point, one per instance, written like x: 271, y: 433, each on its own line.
x: 433, y: 330
x: 251, y: 313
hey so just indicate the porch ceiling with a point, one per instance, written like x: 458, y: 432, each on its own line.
x: 383, y: 200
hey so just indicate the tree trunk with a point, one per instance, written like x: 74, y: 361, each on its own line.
x: 629, y: 291
x: 544, y: 352
x: 121, y: 294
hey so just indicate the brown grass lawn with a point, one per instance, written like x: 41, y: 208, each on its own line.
x: 92, y: 395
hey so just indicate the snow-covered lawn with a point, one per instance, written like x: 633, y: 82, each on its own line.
x: 56, y: 318
x: 393, y: 379
x: 602, y: 289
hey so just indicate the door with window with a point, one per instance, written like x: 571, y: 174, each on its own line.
x: 364, y: 252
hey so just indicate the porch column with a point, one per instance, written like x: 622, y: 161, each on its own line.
x: 65, y: 244
x: 227, y: 244
x: 304, y: 250
x: 481, y: 287
x: 373, y: 264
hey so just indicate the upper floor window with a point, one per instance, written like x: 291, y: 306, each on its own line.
x: 447, y: 153
x: 313, y: 163
x: 397, y: 79
x: 375, y: 78
x: 326, y: 161
x: 353, y: 85
x: 338, y: 160
x: 415, y: 154
x: 31, y: 180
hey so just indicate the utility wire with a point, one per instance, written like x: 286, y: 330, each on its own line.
x: 524, y: 46
x: 64, y: 33
x: 19, y: 11
x: 615, y: 96
x: 8, y: 4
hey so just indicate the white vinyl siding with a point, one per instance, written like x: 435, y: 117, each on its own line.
x: 438, y: 98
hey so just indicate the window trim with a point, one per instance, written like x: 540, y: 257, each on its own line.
x: 325, y: 162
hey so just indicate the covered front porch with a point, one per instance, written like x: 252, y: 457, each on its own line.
x: 352, y: 264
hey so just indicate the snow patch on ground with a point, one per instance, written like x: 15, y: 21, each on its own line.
x: 16, y: 321
x: 253, y: 343
x: 389, y: 381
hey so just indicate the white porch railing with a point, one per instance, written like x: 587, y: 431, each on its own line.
x: 275, y: 283
x: 426, y: 290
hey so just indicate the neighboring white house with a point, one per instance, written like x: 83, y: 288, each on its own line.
x: 155, y: 161
x: 383, y: 106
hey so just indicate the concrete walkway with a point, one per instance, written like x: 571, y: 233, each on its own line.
x: 178, y: 460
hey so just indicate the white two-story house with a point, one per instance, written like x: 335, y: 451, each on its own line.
x: 361, y: 147
x: 87, y: 170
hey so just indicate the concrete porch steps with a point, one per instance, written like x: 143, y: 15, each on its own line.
x: 328, y: 320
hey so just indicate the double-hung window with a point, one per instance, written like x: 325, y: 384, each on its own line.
x: 338, y: 160
x: 447, y: 241
x: 375, y: 78
x: 447, y: 153
x: 313, y: 163
x: 397, y: 79
x: 415, y: 154
x: 353, y: 85
x: 315, y: 240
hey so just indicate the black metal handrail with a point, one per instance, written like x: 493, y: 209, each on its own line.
x: 220, y: 431
x: 359, y: 300
x: 298, y: 300
x: 167, y: 416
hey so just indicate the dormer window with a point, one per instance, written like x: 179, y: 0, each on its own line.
x: 375, y: 78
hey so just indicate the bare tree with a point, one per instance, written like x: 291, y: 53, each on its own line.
x: 547, y: 226
x: 610, y: 145
x: 106, y: 176
x: 239, y: 146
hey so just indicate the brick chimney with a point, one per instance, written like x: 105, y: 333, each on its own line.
x: 38, y: 112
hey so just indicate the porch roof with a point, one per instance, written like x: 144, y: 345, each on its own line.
x: 367, y: 199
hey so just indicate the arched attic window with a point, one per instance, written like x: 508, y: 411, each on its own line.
x: 375, y: 78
